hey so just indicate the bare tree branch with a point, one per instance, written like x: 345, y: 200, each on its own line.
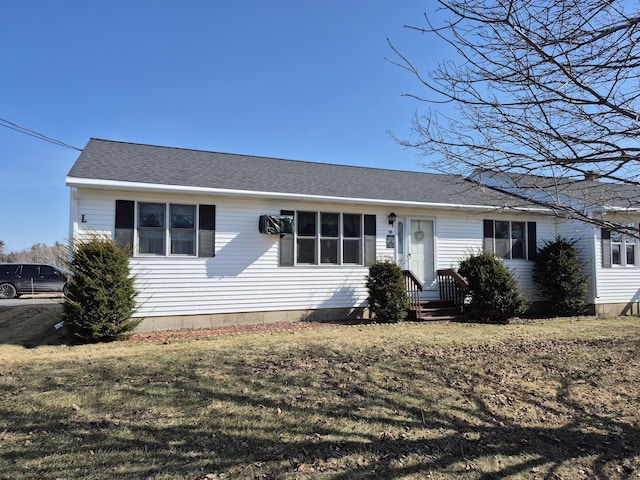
x: 547, y: 89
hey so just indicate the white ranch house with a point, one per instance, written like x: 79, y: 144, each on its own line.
x: 206, y: 249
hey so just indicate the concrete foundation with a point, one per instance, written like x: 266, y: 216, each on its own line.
x: 178, y: 322
x: 617, y: 309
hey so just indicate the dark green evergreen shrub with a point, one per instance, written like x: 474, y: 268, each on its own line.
x: 494, y: 292
x: 100, y: 300
x: 388, y: 299
x: 559, y: 274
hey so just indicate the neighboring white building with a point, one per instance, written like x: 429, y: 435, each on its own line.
x: 200, y: 259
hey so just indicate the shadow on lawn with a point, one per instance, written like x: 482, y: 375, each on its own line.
x: 461, y: 437
x: 32, y: 324
x: 299, y: 418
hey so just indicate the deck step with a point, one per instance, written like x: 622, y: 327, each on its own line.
x: 437, y: 311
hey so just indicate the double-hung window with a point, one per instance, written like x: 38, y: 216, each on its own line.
x: 166, y: 228
x: 624, y: 248
x: 510, y: 239
x: 182, y: 229
x: 151, y: 228
x: 329, y: 237
x: 307, y: 237
x: 352, y: 238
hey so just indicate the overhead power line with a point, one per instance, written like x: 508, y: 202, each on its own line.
x: 32, y: 133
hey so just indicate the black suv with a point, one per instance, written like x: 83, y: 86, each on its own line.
x: 23, y: 278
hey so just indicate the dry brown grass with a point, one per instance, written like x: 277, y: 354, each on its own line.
x: 546, y: 399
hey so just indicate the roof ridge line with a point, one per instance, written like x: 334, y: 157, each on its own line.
x: 272, y: 158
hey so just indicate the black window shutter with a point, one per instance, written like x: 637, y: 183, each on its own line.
x: 488, y: 236
x: 286, y: 244
x: 286, y: 250
x: 124, y: 224
x: 369, y: 239
x: 207, y: 231
x: 606, y: 248
x: 532, y: 241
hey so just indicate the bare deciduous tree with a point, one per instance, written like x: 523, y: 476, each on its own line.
x: 548, y: 88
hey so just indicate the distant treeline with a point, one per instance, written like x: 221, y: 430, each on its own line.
x: 38, y: 253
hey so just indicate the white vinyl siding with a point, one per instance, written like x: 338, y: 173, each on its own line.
x: 460, y: 235
x: 245, y: 275
x: 457, y: 237
x: 176, y: 289
x: 616, y: 284
x: 95, y: 214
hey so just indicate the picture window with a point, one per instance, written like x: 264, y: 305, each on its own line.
x: 330, y: 238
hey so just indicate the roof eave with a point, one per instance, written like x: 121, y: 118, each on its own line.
x: 614, y: 209
x: 163, y: 188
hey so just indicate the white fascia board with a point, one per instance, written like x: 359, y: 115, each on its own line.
x: 606, y: 208
x: 153, y: 187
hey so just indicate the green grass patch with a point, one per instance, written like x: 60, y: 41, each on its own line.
x: 547, y: 399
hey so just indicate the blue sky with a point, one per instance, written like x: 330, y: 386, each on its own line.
x: 304, y: 80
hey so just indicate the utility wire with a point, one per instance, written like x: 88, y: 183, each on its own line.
x: 32, y: 133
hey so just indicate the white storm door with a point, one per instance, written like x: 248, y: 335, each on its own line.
x: 402, y: 253
x: 421, y: 251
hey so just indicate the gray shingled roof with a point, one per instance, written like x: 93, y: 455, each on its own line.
x: 580, y: 194
x: 147, y: 164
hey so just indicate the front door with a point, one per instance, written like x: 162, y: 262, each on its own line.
x: 420, y: 250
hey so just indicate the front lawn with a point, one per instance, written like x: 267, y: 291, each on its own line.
x: 546, y: 399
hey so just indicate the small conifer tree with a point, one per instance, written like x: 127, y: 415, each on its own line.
x: 558, y: 273
x: 100, y: 300
x: 388, y: 299
x: 494, y: 292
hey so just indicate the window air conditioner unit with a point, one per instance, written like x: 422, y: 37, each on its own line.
x: 275, y: 224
